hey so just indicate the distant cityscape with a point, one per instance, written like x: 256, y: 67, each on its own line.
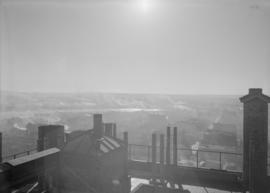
x: 212, y: 122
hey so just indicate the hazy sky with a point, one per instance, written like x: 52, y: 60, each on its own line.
x: 142, y: 46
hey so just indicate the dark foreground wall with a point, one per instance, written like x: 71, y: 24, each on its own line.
x: 38, y: 167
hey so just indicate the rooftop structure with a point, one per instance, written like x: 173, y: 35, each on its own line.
x: 95, y: 160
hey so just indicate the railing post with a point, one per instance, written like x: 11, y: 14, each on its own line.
x: 168, y: 146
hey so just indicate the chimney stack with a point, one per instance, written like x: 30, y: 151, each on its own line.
x: 125, y: 140
x: 98, y: 126
x: 50, y: 136
x: 114, y: 130
x: 108, y: 129
x: 255, y: 140
x: 1, y: 156
x: 168, y: 146
x: 161, y: 156
x: 175, y: 146
x: 154, y: 156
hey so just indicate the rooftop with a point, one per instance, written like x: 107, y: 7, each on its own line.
x: 146, y: 188
x: 87, y: 143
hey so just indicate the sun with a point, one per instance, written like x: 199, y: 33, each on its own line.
x: 144, y: 5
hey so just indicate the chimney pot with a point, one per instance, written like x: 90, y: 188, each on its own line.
x: 98, y: 126
x: 255, y: 91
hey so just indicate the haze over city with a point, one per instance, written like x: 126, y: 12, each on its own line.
x: 134, y: 96
x: 140, y: 46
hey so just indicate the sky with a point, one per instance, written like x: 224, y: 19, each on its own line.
x: 135, y: 46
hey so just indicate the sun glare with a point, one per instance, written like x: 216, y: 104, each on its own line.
x: 144, y: 5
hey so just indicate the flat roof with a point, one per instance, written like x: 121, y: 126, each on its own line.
x: 28, y: 158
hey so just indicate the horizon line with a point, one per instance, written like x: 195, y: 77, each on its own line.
x: 117, y: 92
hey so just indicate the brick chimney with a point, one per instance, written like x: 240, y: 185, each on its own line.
x: 108, y: 127
x: 1, y: 156
x: 98, y: 126
x: 114, y: 133
x: 50, y: 136
x: 255, y: 140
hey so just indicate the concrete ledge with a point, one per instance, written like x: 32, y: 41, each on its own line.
x: 218, y: 179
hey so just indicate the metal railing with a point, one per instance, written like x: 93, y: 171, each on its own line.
x: 20, y: 154
x: 231, y: 161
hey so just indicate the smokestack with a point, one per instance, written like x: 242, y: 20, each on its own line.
x: 126, y: 143
x: 175, y: 145
x: 154, y: 156
x: 255, y: 140
x: 98, y: 126
x: 50, y: 136
x: 114, y: 130
x: 161, y: 149
x: 126, y: 152
x: 108, y: 129
x: 154, y: 149
x: 1, y: 155
x: 161, y: 154
x: 168, y: 146
x: 126, y: 138
x: 67, y: 137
